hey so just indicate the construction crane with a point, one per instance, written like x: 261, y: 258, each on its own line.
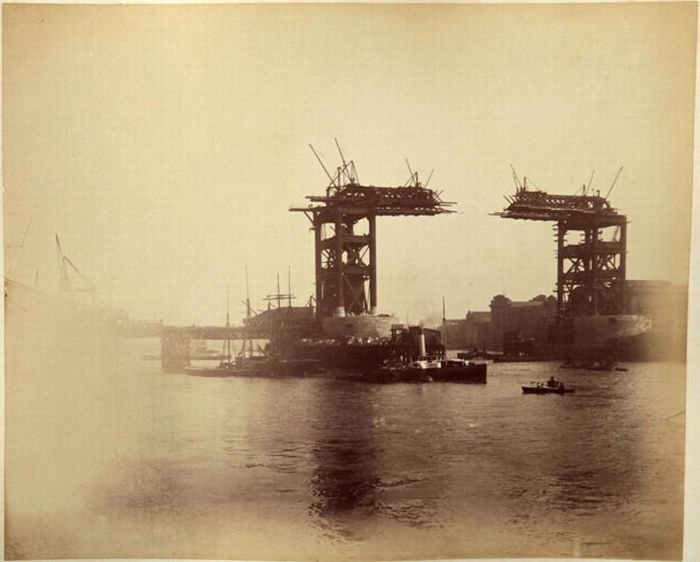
x: 65, y: 284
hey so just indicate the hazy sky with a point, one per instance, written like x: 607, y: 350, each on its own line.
x: 165, y: 144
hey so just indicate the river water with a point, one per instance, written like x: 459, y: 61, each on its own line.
x: 126, y: 461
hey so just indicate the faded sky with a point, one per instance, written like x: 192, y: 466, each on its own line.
x: 165, y: 144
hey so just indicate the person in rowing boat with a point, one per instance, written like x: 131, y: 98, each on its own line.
x: 553, y: 383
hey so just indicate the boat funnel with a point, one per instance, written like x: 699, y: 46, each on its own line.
x: 421, y: 344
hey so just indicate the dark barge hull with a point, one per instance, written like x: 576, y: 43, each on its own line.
x: 276, y: 368
x: 466, y: 374
x: 393, y: 375
x: 348, y: 356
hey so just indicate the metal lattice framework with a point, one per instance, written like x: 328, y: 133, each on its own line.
x: 345, y: 258
x: 587, y: 268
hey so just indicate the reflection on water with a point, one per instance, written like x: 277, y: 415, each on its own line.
x: 343, y: 481
x: 346, y: 472
x: 179, y: 466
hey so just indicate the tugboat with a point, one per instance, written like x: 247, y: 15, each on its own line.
x: 552, y: 386
x: 428, y: 369
x: 415, y: 371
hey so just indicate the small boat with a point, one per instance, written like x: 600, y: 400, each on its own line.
x: 552, y: 386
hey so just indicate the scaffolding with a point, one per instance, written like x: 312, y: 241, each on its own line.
x: 344, y: 221
x: 591, y: 239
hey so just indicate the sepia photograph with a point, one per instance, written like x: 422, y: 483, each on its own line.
x: 347, y: 281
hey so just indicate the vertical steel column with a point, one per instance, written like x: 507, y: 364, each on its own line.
x: 622, y: 273
x: 372, y: 263
x: 340, y: 288
x: 623, y: 250
x: 592, y: 281
x: 318, y: 225
x: 561, y: 233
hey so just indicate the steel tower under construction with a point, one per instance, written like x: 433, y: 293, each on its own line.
x: 344, y: 221
x: 590, y: 269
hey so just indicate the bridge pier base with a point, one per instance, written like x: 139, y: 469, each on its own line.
x: 174, y: 352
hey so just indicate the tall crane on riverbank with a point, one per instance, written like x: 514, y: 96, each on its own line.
x: 65, y: 283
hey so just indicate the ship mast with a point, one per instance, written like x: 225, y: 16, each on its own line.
x: 444, y: 327
x: 227, y: 344
x: 247, y: 313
